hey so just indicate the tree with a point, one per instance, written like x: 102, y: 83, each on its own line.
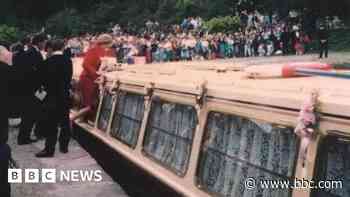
x: 9, y: 34
x: 66, y: 23
x: 223, y: 24
x: 30, y: 15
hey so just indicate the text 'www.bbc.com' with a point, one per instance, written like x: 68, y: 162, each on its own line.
x: 252, y: 184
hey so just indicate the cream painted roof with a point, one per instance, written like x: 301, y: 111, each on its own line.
x: 227, y: 79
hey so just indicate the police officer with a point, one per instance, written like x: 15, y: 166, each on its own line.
x: 57, y: 73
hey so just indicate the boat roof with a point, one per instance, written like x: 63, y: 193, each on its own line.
x: 229, y: 80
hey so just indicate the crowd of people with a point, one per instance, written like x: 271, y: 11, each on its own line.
x: 258, y: 35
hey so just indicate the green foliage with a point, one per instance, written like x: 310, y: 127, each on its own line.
x: 67, y: 22
x: 223, y: 24
x: 339, y: 41
x: 9, y: 34
x: 67, y: 17
x: 132, y: 13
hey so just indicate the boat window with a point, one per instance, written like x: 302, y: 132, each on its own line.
x: 169, y: 134
x: 128, y: 117
x: 235, y: 149
x: 334, y: 165
x: 105, y: 111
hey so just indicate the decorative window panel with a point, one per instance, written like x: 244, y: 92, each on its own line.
x: 105, y: 111
x: 235, y: 148
x: 169, y: 134
x: 128, y: 117
x: 334, y: 164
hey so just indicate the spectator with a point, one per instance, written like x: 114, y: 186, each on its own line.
x: 323, y: 37
x: 259, y: 35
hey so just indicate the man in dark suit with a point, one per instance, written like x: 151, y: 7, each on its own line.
x: 57, y: 73
x: 285, y: 38
x: 29, y: 67
x: 323, y: 37
x: 5, y: 151
x: 17, y: 50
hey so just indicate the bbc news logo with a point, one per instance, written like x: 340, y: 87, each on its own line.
x: 53, y: 176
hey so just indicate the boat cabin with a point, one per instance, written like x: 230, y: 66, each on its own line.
x: 204, y: 128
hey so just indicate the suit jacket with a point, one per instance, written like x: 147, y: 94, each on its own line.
x: 5, y: 107
x: 56, y: 74
x: 323, y: 34
x: 28, y: 65
x: 19, y: 64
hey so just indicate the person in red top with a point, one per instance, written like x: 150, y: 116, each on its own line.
x: 89, y: 76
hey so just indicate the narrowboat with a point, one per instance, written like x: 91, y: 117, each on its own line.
x: 205, y: 128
